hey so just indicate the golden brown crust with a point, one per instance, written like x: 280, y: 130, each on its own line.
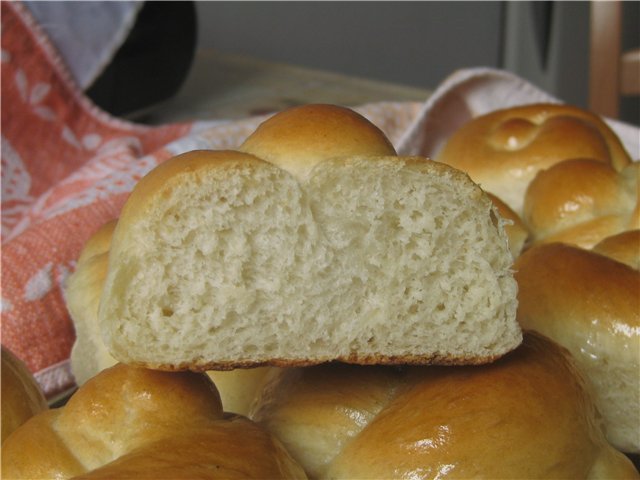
x: 504, y: 149
x: 298, y: 138
x: 623, y: 247
x: 580, y: 202
x: 22, y: 397
x: 125, y: 419
x: 527, y: 415
x: 590, y: 304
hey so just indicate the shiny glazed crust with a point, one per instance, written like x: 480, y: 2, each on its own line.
x: 590, y: 304
x: 503, y: 150
x: 528, y: 415
x: 128, y: 422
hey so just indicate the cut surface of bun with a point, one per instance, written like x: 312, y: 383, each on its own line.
x: 131, y: 422
x: 590, y: 304
x: 503, y: 150
x: 221, y: 259
x: 527, y: 415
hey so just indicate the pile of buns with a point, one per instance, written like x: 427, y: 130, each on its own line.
x: 359, y: 312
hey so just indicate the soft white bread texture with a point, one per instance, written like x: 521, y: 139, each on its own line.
x: 90, y: 356
x: 517, y: 232
x: 21, y: 395
x: 130, y: 422
x: 527, y: 415
x: 505, y: 149
x: 581, y: 202
x: 591, y: 305
x: 221, y: 259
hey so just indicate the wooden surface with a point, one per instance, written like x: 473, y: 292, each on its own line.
x: 221, y: 86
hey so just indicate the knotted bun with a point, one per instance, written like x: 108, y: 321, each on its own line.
x: 590, y: 304
x: 130, y: 422
x: 527, y: 415
x: 581, y: 202
x: 505, y: 149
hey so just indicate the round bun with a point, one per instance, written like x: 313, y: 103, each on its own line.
x: 221, y: 260
x: 623, y: 247
x: 298, y: 138
x: 503, y: 150
x: 591, y: 305
x: 130, y: 422
x: 581, y: 202
x: 527, y: 415
x: 22, y: 397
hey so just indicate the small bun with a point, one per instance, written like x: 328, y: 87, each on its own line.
x: 130, y: 422
x: 517, y: 232
x: 623, y: 247
x: 581, y: 202
x: 298, y: 138
x: 590, y: 304
x: 21, y: 395
x: 503, y: 150
x: 527, y: 415
x: 82, y: 293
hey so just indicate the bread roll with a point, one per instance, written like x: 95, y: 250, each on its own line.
x: 21, y: 397
x: 82, y: 293
x: 90, y: 356
x: 581, y: 202
x: 503, y: 150
x: 130, y: 422
x: 517, y: 232
x: 527, y: 415
x: 221, y: 259
x: 623, y: 247
x: 591, y: 305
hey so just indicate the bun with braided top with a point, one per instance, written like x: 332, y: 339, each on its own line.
x: 130, y: 422
x: 590, y: 304
x: 505, y: 149
x: 527, y: 415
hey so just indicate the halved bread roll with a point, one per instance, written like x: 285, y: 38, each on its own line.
x: 221, y: 259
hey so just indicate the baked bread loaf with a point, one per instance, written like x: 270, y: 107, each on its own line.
x: 591, y: 305
x: 131, y: 422
x: 623, y: 247
x: 505, y: 149
x: 581, y: 202
x: 221, y: 259
x: 21, y: 397
x: 527, y: 415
